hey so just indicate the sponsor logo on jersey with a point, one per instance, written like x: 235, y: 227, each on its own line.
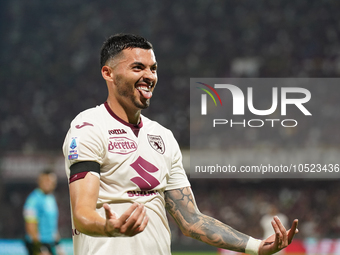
x: 121, y: 145
x: 156, y: 143
x: 117, y: 131
x: 145, y: 181
x: 73, y: 156
x: 133, y: 193
x: 73, y: 153
x: 83, y: 125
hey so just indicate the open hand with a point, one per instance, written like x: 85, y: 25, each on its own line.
x: 130, y: 223
x: 281, y: 239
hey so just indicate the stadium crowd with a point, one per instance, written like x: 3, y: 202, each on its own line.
x: 240, y: 203
x: 49, y: 63
x: 50, y: 55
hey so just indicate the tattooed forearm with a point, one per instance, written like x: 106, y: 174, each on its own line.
x: 218, y: 234
x: 181, y: 205
x: 175, y: 199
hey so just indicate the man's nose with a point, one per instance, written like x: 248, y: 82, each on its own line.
x: 150, y: 75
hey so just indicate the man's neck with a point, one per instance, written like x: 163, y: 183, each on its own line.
x: 132, y: 116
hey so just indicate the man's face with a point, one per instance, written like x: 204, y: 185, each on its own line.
x: 134, y: 77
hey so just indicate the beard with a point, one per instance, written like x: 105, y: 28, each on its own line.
x: 127, y: 91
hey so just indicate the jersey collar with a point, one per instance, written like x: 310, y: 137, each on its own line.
x: 134, y: 128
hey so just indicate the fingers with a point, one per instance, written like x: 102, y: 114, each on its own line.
x: 293, y: 230
x: 281, y: 237
x: 109, y: 213
x: 129, y: 211
x: 130, y: 223
x: 140, y: 224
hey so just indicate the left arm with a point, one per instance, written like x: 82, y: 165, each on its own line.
x: 180, y: 203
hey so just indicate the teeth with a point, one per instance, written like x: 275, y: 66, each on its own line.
x: 144, y: 88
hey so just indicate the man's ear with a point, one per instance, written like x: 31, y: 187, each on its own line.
x: 107, y: 73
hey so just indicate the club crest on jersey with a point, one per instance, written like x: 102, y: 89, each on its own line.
x: 156, y: 143
x: 121, y: 145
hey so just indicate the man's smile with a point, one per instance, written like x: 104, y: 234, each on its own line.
x: 145, y: 90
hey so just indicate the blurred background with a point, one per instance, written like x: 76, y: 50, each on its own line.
x: 50, y: 72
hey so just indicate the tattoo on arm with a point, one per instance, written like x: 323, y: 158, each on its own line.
x: 181, y: 205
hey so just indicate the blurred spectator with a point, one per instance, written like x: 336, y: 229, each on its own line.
x: 41, y: 218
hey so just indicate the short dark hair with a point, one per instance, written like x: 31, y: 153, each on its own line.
x: 119, y: 42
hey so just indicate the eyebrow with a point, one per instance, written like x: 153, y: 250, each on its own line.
x: 141, y: 64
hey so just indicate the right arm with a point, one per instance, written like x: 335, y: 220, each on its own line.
x: 31, y: 226
x: 84, y: 194
x: 32, y: 230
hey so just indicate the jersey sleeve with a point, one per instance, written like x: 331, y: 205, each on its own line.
x: 31, y: 209
x: 83, y: 142
x: 178, y: 178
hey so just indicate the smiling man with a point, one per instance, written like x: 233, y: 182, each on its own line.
x: 126, y: 170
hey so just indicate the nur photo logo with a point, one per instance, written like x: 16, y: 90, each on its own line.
x: 241, y: 101
x: 204, y: 97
